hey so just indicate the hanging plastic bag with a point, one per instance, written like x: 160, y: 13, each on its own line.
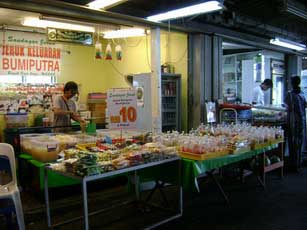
x: 119, y: 53
x: 109, y: 52
x: 98, y: 50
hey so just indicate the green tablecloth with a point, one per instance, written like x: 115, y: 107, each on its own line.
x: 54, y: 179
x: 193, y: 168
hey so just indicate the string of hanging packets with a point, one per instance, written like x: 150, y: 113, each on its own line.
x: 108, y: 53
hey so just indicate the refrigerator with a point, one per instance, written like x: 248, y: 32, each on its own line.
x: 171, y: 103
x: 170, y: 100
x: 278, y: 78
x: 142, y: 83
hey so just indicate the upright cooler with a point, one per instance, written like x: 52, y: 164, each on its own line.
x: 278, y: 73
x: 170, y: 96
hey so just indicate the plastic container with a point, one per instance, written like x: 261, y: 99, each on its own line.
x: 25, y: 143
x: 65, y: 141
x: 16, y: 120
x: 83, y: 138
x: 44, y: 148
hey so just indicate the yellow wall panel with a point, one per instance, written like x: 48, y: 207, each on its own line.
x: 98, y: 75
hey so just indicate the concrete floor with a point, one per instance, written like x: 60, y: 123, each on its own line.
x: 281, y: 206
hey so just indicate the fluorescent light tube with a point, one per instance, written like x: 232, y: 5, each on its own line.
x: 101, y: 4
x: 187, y: 11
x: 36, y: 22
x: 124, y: 33
x: 288, y: 44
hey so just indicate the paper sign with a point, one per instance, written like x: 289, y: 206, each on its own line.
x: 26, y: 54
x: 122, y: 108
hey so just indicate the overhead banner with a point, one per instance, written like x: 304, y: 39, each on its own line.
x: 23, y: 53
x: 122, y: 108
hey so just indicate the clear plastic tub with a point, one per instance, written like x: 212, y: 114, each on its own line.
x: 25, y: 144
x: 65, y: 141
x: 83, y: 138
x: 16, y: 120
x: 117, y: 133
x: 44, y: 148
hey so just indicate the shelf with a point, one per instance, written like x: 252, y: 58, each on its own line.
x: 274, y: 166
x: 170, y: 75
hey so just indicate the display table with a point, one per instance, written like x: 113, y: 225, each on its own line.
x: 32, y: 175
x: 133, y: 169
x: 192, y: 169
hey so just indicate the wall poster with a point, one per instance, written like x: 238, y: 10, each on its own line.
x: 25, y: 53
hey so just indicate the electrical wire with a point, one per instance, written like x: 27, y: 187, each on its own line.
x: 116, y: 70
x: 168, y: 42
x: 137, y: 43
x: 114, y: 42
x: 180, y: 59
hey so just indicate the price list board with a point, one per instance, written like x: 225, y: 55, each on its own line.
x: 122, y: 108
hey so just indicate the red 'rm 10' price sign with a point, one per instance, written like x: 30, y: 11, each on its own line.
x: 122, y: 110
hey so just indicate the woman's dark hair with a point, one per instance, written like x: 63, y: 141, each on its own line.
x: 71, y: 85
x: 295, y: 82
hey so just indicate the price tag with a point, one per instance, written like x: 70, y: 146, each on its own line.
x: 122, y: 104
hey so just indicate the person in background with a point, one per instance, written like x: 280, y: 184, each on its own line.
x: 65, y: 109
x: 295, y: 102
x: 258, y: 92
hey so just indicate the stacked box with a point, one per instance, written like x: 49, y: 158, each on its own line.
x: 97, y: 104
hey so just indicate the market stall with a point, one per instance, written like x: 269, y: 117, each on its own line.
x: 113, y: 153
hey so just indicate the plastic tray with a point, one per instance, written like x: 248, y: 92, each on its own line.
x: 241, y: 150
x: 276, y: 141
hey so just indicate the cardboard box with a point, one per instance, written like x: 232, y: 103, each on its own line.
x: 98, y: 114
x: 95, y: 107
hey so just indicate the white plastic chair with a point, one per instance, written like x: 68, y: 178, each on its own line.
x: 11, y: 190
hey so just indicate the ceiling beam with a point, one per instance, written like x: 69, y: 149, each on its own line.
x: 296, y: 8
x: 244, y: 38
x: 82, y: 13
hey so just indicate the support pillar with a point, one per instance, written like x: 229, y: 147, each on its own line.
x: 294, y: 67
x: 205, y: 75
x: 156, y: 80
